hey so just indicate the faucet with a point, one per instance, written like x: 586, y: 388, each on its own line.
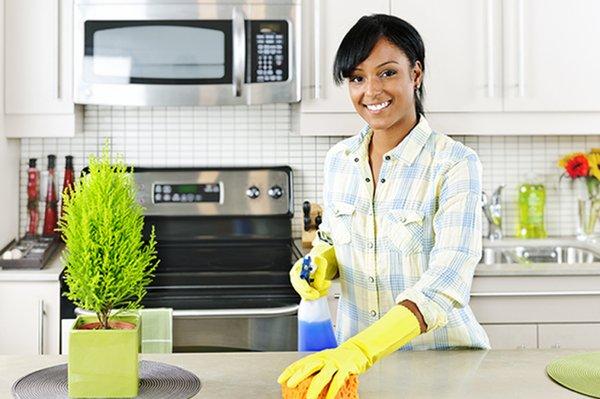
x: 492, y: 209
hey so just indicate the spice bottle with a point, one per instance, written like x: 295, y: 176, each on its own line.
x: 33, y: 197
x: 51, y: 212
x: 68, y: 180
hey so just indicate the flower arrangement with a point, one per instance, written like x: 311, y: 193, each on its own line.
x: 585, y: 167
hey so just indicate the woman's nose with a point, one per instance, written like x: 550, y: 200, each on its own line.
x: 374, y: 86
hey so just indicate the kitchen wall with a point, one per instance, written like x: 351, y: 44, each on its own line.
x: 261, y: 135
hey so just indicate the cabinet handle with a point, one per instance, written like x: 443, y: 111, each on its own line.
x: 40, y: 337
x: 239, y: 50
x: 521, y: 49
x: 58, y: 21
x: 317, y: 48
x: 490, y: 48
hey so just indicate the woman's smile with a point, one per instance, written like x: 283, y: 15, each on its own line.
x: 376, y: 108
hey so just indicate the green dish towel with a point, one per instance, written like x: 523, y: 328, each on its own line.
x: 157, y: 330
x: 579, y: 372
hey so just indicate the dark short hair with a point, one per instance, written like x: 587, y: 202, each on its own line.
x: 362, y: 37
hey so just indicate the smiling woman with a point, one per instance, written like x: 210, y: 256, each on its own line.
x: 402, y: 216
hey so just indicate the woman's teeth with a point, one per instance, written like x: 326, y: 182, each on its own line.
x: 378, y: 107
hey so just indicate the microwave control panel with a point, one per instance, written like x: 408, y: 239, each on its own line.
x: 269, y: 58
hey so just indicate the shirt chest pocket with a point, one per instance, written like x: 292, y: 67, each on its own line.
x: 341, y: 223
x: 404, y: 230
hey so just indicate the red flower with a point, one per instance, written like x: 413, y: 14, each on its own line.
x: 578, y: 166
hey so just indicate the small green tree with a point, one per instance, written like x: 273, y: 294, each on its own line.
x: 108, y: 265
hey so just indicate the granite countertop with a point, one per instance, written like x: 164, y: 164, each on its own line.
x: 429, y: 374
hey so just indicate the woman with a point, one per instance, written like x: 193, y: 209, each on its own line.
x: 402, y: 219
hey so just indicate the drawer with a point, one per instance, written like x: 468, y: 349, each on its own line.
x: 512, y: 336
x: 569, y: 336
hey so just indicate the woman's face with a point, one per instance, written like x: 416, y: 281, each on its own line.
x: 382, y: 87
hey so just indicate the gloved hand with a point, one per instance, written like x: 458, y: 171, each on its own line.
x: 354, y: 356
x: 323, y: 256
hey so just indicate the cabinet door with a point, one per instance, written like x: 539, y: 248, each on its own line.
x: 512, y: 336
x: 569, y: 336
x: 462, y: 52
x: 551, y: 60
x: 326, y: 23
x: 29, y: 316
x: 38, y: 57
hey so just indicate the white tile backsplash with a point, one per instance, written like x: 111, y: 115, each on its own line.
x: 261, y: 135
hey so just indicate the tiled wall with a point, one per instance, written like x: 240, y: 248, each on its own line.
x: 261, y: 135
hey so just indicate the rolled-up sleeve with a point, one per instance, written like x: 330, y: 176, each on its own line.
x: 446, y: 282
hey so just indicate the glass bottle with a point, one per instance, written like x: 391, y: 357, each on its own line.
x: 51, y: 213
x: 33, y: 197
x: 68, y: 180
x: 531, y: 202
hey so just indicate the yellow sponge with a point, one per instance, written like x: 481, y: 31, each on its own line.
x: 348, y: 391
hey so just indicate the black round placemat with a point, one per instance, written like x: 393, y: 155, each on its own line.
x: 157, y: 381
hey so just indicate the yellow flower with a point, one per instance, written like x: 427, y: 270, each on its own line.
x: 594, y: 161
x: 563, y: 161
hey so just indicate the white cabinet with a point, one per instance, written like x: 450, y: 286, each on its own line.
x: 325, y: 24
x: 569, y: 336
x: 38, y: 69
x: 29, y: 316
x: 513, y: 336
x: 463, y: 52
x: 551, y: 61
x: 492, y: 67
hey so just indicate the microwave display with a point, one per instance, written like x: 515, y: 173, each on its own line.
x: 269, y: 51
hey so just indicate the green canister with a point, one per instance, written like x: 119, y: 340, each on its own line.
x: 531, y: 203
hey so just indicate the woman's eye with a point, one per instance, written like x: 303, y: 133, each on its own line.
x: 356, y: 79
x: 388, y: 73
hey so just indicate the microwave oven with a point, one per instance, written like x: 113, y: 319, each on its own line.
x: 186, y: 52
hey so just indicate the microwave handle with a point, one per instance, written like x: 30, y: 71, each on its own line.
x: 239, y: 50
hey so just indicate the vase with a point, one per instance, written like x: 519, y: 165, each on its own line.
x: 588, y: 212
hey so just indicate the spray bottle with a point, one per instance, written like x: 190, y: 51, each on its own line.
x: 315, y: 331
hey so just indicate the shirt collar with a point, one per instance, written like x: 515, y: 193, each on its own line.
x: 408, y: 149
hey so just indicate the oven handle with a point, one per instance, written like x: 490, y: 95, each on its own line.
x: 239, y: 50
x: 231, y: 313
x: 222, y: 313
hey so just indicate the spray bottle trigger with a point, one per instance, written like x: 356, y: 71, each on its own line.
x: 307, y: 269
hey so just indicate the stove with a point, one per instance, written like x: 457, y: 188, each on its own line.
x: 225, y: 248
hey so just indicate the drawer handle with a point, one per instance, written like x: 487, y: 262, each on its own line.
x: 533, y: 293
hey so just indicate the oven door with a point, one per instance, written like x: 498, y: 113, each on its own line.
x: 146, y: 53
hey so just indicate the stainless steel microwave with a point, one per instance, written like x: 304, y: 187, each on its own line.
x: 186, y: 52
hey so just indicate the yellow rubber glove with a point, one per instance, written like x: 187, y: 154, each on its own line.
x: 354, y: 356
x: 323, y: 256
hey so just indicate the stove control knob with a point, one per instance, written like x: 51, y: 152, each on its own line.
x: 275, y: 192
x: 253, y: 192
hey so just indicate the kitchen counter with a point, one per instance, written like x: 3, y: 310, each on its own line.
x: 429, y: 374
x: 50, y: 272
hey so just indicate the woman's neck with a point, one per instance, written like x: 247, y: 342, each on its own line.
x: 385, y: 140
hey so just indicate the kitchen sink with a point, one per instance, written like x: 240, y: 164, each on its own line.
x: 568, y: 254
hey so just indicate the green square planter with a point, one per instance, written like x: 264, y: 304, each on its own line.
x: 104, y: 363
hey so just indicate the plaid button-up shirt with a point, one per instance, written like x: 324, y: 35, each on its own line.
x: 416, y: 237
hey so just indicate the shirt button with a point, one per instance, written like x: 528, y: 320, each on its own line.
x: 402, y: 219
x: 373, y: 313
x: 370, y: 245
x: 367, y: 180
x: 371, y: 279
x: 383, y: 180
x: 387, y: 157
x: 355, y: 159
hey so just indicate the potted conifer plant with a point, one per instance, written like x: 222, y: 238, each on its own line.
x: 108, y: 267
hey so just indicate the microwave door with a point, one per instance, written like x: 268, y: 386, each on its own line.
x: 162, y: 62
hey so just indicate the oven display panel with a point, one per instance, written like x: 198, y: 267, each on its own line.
x: 184, y: 193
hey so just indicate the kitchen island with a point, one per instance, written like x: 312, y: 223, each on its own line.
x: 431, y: 374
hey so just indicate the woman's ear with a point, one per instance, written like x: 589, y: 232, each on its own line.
x: 417, y: 74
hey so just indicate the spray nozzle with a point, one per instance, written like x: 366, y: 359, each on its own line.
x: 307, y: 269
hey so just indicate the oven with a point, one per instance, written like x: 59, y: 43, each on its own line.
x: 225, y: 248
x: 186, y: 52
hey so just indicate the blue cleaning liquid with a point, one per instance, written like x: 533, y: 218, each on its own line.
x: 315, y: 336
